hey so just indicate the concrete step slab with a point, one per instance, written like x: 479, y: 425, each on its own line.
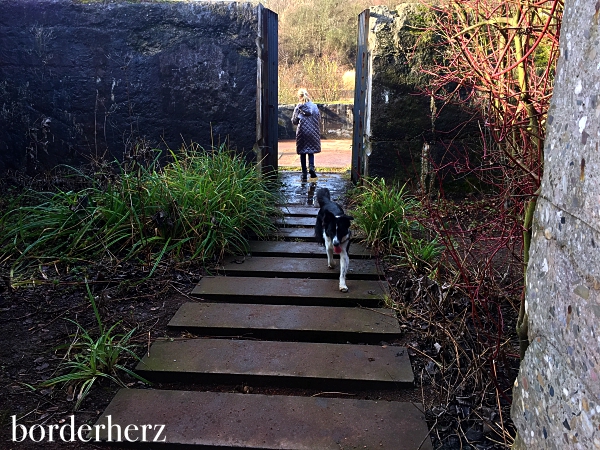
x: 301, y: 234
x: 299, y: 364
x: 228, y: 420
x: 291, y: 291
x: 302, y: 249
x: 285, y: 322
x: 278, y: 266
x: 300, y: 211
x: 296, y: 222
x: 297, y: 234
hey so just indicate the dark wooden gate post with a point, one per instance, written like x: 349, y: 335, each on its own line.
x: 360, y: 98
x: 267, y: 95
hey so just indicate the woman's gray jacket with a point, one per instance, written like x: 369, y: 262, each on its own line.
x: 308, y: 134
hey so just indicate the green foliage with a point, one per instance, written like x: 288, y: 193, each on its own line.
x: 421, y: 252
x: 199, y: 206
x: 543, y: 60
x: 91, y: 359
x: 386, y: 214
x: 381, y: 211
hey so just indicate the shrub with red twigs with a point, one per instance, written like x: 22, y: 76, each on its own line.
x: 497, y: 59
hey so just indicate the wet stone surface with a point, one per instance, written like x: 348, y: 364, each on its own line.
x: 298, y: 192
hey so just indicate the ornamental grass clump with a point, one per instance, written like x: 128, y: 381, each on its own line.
x: 387, y: 216
x: 199, y: 206
x: 383, y: 212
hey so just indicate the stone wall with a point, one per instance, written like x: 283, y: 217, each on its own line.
x: 336, y: 121
x: 556, y: 402
x: 400, y: 120
x: 83, y: 79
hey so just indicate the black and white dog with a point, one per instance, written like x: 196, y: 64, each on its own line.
x: 333, y: 230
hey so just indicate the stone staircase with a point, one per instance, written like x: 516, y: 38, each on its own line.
x: 276, y: 318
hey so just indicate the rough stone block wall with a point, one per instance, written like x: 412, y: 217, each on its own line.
x: 336, y: 121
x: 556, y: 401
x: 84, y: 79
x: 400, y: 121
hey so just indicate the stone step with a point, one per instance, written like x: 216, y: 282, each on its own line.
x: 300, y: 211
x: 260, y: 363
x: 296, y: 222
x: 301, y: 234
x: 301, y: 249
x: 252, y: 421
x: 291, y: 291
x: 278, y: 266
x: 285, y: 322
x: 296, y: 234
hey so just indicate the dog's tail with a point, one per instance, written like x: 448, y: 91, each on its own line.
x: 323, y: 194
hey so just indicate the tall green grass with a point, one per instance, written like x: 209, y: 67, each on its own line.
x: 383, y: 212
x: 387, y: 215
x: 199, y: 206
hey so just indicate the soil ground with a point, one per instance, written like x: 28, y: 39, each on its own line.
x: 35, y: 330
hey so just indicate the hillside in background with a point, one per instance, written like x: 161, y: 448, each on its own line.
x: 317, y: 46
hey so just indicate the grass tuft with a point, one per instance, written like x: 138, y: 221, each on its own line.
x: 199, y: 206
x: 387, y: 215
x: 90, y: 359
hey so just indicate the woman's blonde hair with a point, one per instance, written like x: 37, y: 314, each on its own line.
x: 303, y: 95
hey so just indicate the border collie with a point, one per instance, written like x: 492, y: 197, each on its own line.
x: 333, y: 230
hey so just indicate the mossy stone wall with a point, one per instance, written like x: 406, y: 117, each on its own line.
x: 83, y: 80
x: 400, y: 114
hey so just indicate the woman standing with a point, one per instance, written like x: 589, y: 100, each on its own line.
x: 308, y: 134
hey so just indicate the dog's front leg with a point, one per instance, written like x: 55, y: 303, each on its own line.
x: 329, y: 250
x: 344, y: 263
